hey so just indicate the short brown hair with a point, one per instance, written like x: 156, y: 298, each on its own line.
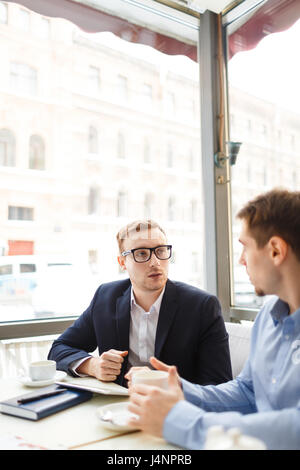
x: 135, y: 227
x: 276, y: 212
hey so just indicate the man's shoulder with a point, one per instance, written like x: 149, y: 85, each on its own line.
x: 190, y: 290
x: 114, y: 287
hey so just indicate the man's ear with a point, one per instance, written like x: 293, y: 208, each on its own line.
x: 278, y: 249
x: 121, y: 262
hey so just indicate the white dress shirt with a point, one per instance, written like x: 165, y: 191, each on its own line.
x: 142, y: 334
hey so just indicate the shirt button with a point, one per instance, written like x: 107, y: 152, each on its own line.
x: 287, y: 336
x: 273, y: 381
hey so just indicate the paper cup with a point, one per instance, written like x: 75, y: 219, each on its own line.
x: 42, y: 370
x: 157, y: 378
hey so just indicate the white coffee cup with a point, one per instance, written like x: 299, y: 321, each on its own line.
x: 42, y: 370
x: 158, y: 378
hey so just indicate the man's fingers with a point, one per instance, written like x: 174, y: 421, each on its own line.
x: 133, y: 408
x: 114, y: 356
x: 108, y: 378
x: 173, y: 377
x: 140, y: 390
x: 159, y: 365
x: 120, y: 353
x: 107, y: 369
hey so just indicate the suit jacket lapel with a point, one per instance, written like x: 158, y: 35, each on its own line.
x: 122, y: 327
x: 123, y: 320
x: 166, y: 316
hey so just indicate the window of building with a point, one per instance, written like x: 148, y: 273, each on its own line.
x: 20, y: 247
x: 147, y: 151
x: 122, y: 87
x: 193, y: 215
x: 27, y: 268
x: 170, y: 103
x: 147, y: 95
x: 170, y: 156
x: 20, y: 213
x: 94, y: 79
x: 36, y: 153
x: 148, y: 205
x: 23, y: 78
x: 94, y: 200
x: 43, y: 28
x: 93, y: 144
x: 122, y: 204
x: 3, y: 13
x: 24, y: 20
x: 121, y: 149
x: 7, y: 148
x: 171, y: 209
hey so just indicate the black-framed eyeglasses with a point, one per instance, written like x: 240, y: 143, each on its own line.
x: 141, y: 255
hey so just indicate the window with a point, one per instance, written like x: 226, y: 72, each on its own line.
x: 171, y: 209
x: 147, y: 151
x: 121, y: 153
x: 147, y: 95
x: 23, y: 78
x: 122, y: 204
x: 20, y: 213
x: 148, y: 206
x: 93, y: 200
x: 170, y: 156
x: 93, y: 140
x: 20, y: 247
x: 193, y: 216
x: 75, y: 208
x: 27, y: 268
x: 170, y: 103
x: 263, y: 86
x: 36, y: 153
x: 94, y: 79
x: 191, y: 161
x: 7, y: 148
x: 43, y: 28
x: 122, y: 88
x: 6, y: 269
x: 3, y: 13
x: 24, y: 20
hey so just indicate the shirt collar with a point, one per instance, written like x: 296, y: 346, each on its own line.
x: 155, y: 306
x: 280, y: 311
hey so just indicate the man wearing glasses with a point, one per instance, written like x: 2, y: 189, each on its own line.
x: 131, y: 320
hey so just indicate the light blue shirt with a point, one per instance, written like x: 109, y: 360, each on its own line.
x: 263, y: 401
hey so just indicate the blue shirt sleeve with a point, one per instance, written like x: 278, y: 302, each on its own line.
x: 186, y: 426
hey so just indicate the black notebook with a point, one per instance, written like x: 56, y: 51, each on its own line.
x: 40, y: 407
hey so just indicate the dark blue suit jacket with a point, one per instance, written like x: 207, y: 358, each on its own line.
x: 190, y: 332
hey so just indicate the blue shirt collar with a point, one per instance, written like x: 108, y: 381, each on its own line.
x: 280, y: 311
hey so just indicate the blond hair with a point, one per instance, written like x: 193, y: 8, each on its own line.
x: 136, y: 226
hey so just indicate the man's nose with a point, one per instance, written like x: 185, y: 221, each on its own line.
x: 242, y: 260
x: 154, y: 261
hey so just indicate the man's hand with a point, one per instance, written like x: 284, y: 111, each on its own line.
x: 152, y: 404
x: 106, y: 367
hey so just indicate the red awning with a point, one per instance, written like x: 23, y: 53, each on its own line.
x: 273, y: 17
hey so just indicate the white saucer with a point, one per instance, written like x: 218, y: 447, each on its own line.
x: 59, y: 375
x: 115, y: 417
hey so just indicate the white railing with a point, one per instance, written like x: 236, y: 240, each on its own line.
x: 16, y: 354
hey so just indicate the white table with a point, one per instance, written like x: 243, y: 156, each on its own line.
x: 77, y: 427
